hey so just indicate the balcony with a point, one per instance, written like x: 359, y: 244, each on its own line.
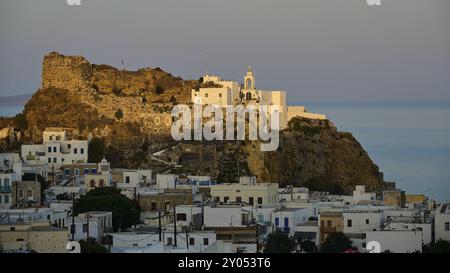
x: 327, y: 229
x: 283, y: 229
x: 5, y: 189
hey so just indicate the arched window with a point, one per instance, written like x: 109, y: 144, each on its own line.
x: 92, y: 183
x: 29, y: 193
x: 249, y: 83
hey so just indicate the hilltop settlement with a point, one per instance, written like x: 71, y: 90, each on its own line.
x: 90, y: 160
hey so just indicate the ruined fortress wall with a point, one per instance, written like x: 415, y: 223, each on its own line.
x: 71, y: 73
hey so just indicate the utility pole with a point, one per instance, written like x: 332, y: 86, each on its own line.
x: 72, y: 227
x: 257, y: 237
x: 87, y: 232
x: 159, y: 224
x: 187, y: 239
x: 175, y: 224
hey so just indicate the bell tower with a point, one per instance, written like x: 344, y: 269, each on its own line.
x: 249, y: 80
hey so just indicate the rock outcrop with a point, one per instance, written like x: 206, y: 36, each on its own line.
x: 130, y: 110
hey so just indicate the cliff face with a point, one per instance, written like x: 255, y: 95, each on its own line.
x: 103, y: 100
x: 131, y: 111
x: 311, y: 153
x: 314, y: 154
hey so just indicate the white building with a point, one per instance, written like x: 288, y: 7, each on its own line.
x: 56, y: 149
x: 166, y: 181
x: 54, y: 217
x: 227, y: 216
x: 402, y: 241
x: 10, y: 171
x: 247, y: 191
x: 356, y: 221
x: 100, y: 223
x: 442, y: 223
x: 285, y: 219
x: 360, y: 196
x: 132, y: 180
x: 148, y: 242
x: 221, y: 93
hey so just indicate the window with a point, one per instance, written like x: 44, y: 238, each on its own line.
x: 127, y: 179
x: 75, y: 150
x: 153, y: 206
x: 50, y: 138
x: 238, y: 199
x: 101, y: 183
x: 66, y: 172
x: 191, y: 241
x: 77, y: 171
x: 86, y: 171
x: 250, y: 201
x: 205, y: 241
x: 328, y: 223
x: 220, y: 95
x: 277, y: 221
x: 81, y: 151
x: 54, y: 149
x: 206, y: 95
x: 225, y: 199
x: 349, y: 223
x: 85, y: 228
x: 286, y: 222
x: 92, y: 183
x: 69, y: 146
x: 134, y: 244
x: 6, y: 199
x: 94, y: 171
x: 49, y: 149
x: 447, y: 226
x: 181, y: 216
x: 367, y: 221
x: 20, y: 194
x: 54, y: 160
x: 260, y: 218
x: 260, y: 200
x: 49, y: 160
x: 29, y: 193
x: 169, y: 241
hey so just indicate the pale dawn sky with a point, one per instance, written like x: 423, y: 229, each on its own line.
x: 316, y: 50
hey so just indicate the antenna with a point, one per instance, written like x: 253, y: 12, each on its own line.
x: 206, y: 63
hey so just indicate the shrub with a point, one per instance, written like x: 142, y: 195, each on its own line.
x: 119, y: 114
x: 159, y: 89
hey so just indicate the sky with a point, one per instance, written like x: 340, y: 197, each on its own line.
x: 316, y: 50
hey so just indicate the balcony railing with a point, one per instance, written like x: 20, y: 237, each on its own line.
x: 328, y: 229
x: 5, y: 189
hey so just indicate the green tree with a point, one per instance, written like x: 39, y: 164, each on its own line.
x: 228, y: 168
x: 309, y: 246
x: 322, y: 184
x: 125, y: 212
x: 92, y: 247
x: 336, y: 243
x: 96, y: 150
x: 119, y: 114
x: 440, y: 246
x: 159, y: 89
x: 20, y: 121
x: 278, y: 242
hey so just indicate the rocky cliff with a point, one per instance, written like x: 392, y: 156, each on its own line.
x: 129, y: 111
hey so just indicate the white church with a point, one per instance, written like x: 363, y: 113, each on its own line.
x: 221, y: 92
